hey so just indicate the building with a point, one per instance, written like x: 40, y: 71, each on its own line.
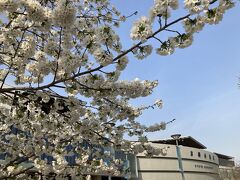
x: 184, y: 159
x: 188, y: 161
x: 226, y: 167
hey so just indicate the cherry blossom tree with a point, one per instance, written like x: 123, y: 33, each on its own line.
x: 59, y: 73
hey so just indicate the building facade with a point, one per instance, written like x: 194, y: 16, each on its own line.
x: 184, y: 159
x: 188, y: 161
x: 227, y: 169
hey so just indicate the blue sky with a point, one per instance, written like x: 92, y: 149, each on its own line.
x: 199, y: 85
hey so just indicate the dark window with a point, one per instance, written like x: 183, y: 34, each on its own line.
x: 199, y: 154
x: 213, y: 157
x: 205, y: 156
x: 210, y: 157
x: 113, y: 178
x: 104, y: 178
x: 191, y: 153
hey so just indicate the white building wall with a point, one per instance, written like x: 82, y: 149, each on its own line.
x: 176, y: 176
x: 166, y: 167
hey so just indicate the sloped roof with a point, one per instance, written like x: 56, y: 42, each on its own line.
x: 184, y: 141
x: 222, y: 156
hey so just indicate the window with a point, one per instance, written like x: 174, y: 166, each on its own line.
x: 205, y: 156
x: 191, y: 153
x: 213, y: 158
x: 113, y: 178
x: 210, y: 157
x: 199, y: 154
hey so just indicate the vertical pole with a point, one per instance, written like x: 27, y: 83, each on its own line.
x: 180, y: 165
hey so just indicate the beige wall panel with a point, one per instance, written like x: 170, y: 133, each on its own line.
x: 200, y: 166
x: 161, y: 164
x: 176, y: 176
x: 159, y: 176
x: 157, y: 164
x: 170, y: 151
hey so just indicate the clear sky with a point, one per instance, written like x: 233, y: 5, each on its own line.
x: 199, y: 84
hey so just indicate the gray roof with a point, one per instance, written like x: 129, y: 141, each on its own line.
x: 222, y: 156
x: 184, y: 141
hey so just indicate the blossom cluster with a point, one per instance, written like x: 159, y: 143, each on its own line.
x: 161, y: 8
x: 201, y: 12
x: 196, y: 6
x: 141, y: 29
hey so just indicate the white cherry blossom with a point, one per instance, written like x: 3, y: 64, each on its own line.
x: 65, y: 107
